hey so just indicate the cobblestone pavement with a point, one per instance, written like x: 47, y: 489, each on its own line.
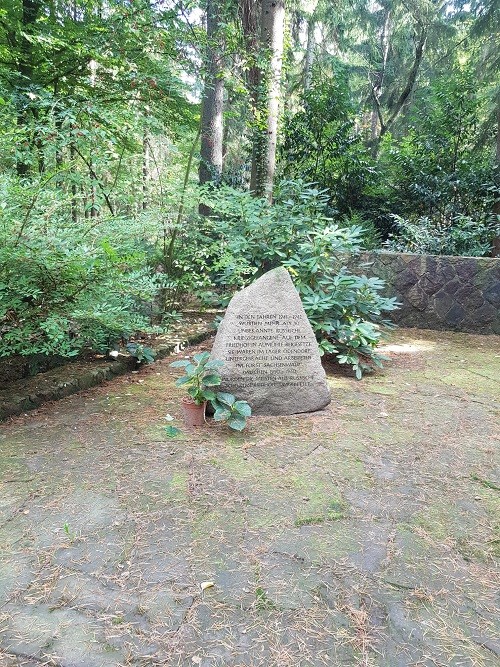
x: 362, y: 535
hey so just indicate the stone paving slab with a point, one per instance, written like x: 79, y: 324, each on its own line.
x: 362, y: 535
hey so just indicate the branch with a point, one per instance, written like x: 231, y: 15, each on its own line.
x: 378, y: 109
x: 410, y: 83
x: 32, y: 204
x: 449, y: 52
x: 118, y: 169
x: 95, y: 177
x: 9, y: 33
x: 73, y: 69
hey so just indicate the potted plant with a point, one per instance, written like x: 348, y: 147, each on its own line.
x: 200, y: 376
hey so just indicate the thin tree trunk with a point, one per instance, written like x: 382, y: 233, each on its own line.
x: 309, y: 57
x: 30, y: 12
x: 38, y: 143
x: 266, y: 132
x: 86, y: 212
x: 384, y: 46
x: 93, y: 209
x: 373, y: 124
x: 59, y: 151
x: 210, y: 168
x: 380, y: 75
x: 495, y: 252
x: 74, y: 189
x: 145, y: 171
x: 169, y: 244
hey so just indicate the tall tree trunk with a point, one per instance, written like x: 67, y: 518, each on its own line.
x: 30, y: 12
x: 378, y: 83
x: 373, y: 125
x: 92, y: 176
x: 250, y: 19
x: 74, y: 189
x: 309, y: 57
x: 145, y: 170
x: 266, y: 131
x: 495, y: 252
x: 210, y: 168
x: 226, y: 130
x: 59, y: 150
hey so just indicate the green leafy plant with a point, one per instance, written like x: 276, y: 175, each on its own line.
x: 320, y: 143
x: 346, y: 314
x: 200, y: 376
x: 67, y: 287
x: 437, y: 186
x: 70, y: 534
x: 231, y: 411
x: 262, y: 600
x: 257, y: 237
x: 141, y: 352
x: 171, y: 431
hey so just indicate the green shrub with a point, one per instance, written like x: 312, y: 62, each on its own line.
x: 440, y: 235
x: 67, y: 286
x: 346, y: 311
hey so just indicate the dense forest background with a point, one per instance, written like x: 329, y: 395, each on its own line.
x: 153, y: 153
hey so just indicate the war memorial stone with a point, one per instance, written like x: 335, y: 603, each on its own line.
x: 269, y: 350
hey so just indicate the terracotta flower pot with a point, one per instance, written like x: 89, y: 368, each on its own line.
x: 194, y: 414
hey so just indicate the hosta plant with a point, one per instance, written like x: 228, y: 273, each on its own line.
x: 141, y: 352
x: 231, y: 411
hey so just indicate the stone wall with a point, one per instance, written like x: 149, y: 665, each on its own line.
x: 439, y: 292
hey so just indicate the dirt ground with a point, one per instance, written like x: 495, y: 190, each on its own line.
x: 362, y: 535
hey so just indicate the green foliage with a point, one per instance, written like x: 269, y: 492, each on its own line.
x: 98, y: 239
x: 172, y: 431
x: 435, y: 165
x: 440, y: 236
x: 141, y: 352
x: 231, y: 411
x: 68, y: 532
x: 320, y: 144
x: 346, y: 311
x: 436, y: 188
x: 200, y: 376
x: 66, y: 287
x: 263, y: 601
x: 257, y: 237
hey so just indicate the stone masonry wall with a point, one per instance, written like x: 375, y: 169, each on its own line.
x: 438, y: 292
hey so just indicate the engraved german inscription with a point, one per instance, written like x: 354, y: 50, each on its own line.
x: 266, y: 349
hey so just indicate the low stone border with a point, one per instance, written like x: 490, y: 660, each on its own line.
x: 28, y: 394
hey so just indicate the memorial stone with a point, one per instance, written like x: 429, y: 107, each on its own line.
x: 269, y: 350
